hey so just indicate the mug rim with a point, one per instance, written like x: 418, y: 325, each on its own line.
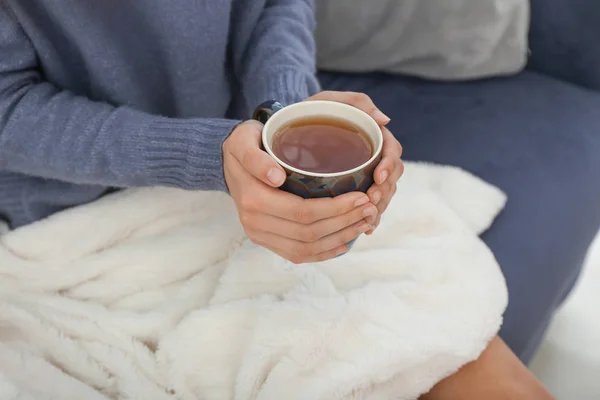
x: 370, y: 120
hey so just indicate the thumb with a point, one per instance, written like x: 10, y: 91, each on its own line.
x: 246, y: 148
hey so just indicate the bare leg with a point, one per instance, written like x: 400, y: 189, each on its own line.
x: 497, y: 375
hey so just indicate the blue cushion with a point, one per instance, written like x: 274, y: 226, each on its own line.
x: 564, y: 40
x: 536, y: 138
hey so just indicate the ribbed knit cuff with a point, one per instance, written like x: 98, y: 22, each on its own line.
x: 187, y: 153
x: 287, y: 86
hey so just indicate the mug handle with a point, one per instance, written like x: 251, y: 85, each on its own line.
x: 263, y: 112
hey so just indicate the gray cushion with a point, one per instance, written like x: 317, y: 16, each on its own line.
x: 439, y: 39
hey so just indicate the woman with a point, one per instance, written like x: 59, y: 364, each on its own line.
x: 102, y: 95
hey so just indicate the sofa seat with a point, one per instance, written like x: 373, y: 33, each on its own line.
x: 535, y: 137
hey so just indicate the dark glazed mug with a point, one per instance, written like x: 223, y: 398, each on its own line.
x: 315, y: 185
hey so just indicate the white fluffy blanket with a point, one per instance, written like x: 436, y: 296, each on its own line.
x: 157, y: 294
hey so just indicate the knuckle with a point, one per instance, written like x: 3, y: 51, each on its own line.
x: 246, y: 219
x: 246, y: 202
x: 253, y: 237
x: 304, y: 215
x: 343, y: 207
x: 386, y: 193
x: 308, y: 234
x: 353, y: 217
x: 296, y: 260
x: 386, y: 163
x: 250, y: 158
x: 387, y: 187
x: 359, y: 98
x: 351, y: 234
x: 373, y: 189
x: 250, y: 203
x: 400, y: 167
x: 304, y: 250
x: 362, y: 96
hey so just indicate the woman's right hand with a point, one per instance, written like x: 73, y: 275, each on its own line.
x: 299, y: 230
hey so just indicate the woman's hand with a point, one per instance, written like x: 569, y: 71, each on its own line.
x: 391, y: 168
x: 296, y: 229
x: 387, y: 174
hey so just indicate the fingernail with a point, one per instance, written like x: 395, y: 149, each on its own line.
x: 370, y: 212
x: 378, y: 115
x: 376, y: 197
x: 276, y: 176
x: 384, y: 176
x: 362, y: 201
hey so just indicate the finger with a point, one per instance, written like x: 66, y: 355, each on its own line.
x: 398, y: 172
x: 392, y: 189
x: 337, y: 239
x: 302, y: 251
x: 392, y: 151
x: 309, y: 233
x: 376, y: 193
x: 375, y: 226
x: 384, y: 169
x: 358, y: 100
x: 385, y: 202
x: 245, y: 146
x: 392, y: 146
x: 382, y: 195
x: 327, y: 255
x: 379, y: 193
x: 304, y: 211
x: 326, y: 227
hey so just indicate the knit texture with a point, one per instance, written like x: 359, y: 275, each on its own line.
x: 102, y: 95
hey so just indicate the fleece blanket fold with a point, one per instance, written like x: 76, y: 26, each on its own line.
x: 158, y: 294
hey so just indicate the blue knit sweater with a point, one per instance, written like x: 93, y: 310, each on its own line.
x: 97, y: 95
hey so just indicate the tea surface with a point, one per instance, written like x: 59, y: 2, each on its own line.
x: 322, y: 145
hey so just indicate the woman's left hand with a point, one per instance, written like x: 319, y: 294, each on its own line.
x: 389, y: 171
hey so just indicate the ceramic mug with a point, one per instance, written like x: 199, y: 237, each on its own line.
x: 317, y: 185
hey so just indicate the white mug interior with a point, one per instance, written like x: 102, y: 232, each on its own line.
x: 311, y: 109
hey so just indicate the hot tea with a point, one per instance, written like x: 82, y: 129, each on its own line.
x: 322, y: 145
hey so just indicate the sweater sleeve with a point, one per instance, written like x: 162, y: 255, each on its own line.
x: 276, y: 59
x: 52, y: 133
